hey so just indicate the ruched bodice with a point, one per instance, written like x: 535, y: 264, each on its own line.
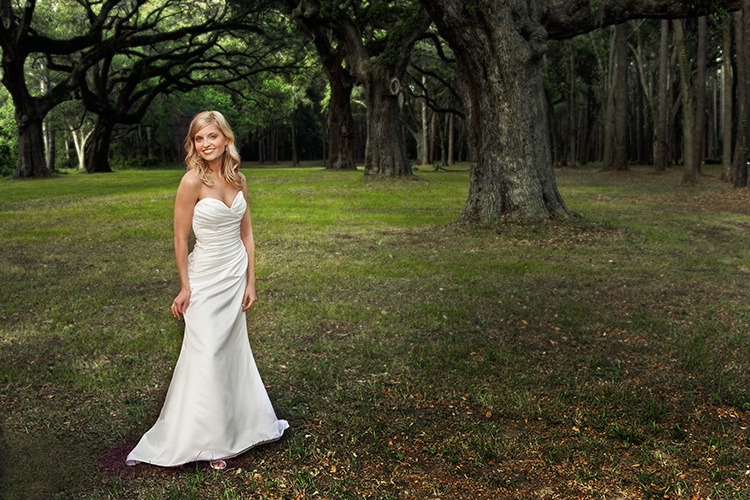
x: 216, y: 224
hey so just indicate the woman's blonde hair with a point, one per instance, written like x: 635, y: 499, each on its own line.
x: 230, y: 161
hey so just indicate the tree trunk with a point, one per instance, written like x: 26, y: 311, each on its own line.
x: 29, y: 111
x: 713, y: 118
x: 620, y: 138
x: 726, y: 86
x: 424, y: 157
x: 48, y: 131
x: 79, y: 142
x: 442, y: 134
x: 640, y: 125
x: 688, y: 113
x: 97, y: 148
x: 66, y: 145
x: 740, y: 149
x: 31, y: 160
x: 149, y: 144
x: 662, y: 116
x: 50, y: 148
x: 584, y: 132
x: 451, y: 135
x: 608, y: 157
x: 511, y: 173
x: 340, y: 124
x: 340, y: 133
x: 293, y: 128
x: 700, y: 95
x: 572, y: 117
x: 385, y: 151
x: 432, y: 139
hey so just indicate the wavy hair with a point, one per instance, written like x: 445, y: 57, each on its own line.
x: 230, y: 161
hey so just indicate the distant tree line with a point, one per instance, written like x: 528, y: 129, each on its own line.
x: 515, y: 88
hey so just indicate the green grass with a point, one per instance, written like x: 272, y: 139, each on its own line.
x: 413, y: 357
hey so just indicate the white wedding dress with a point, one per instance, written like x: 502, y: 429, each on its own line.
x: 216, y: 406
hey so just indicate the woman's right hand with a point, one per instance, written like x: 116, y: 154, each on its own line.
x: 180, y: 303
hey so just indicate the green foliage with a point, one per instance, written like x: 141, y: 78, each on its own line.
x: 8, y: 135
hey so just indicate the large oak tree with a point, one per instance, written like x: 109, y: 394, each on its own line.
x: 120, y: 88
x: 82, y: 54
x: 24, y: 34
x: 499, y: 48
x: 339, y: 121
x: 375, y: 38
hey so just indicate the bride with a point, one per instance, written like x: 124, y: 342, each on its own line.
x: 216, y: 406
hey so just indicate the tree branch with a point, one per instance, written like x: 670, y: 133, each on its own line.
x: 567, y: 18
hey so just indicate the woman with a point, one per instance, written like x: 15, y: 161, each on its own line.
x: 216, y: 406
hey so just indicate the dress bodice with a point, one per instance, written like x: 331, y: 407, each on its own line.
x: 216, y: 223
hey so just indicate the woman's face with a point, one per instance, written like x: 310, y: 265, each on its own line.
x: 210, y: 143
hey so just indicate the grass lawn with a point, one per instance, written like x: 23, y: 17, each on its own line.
x: 414, y: 358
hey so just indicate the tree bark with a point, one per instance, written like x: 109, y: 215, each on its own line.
x: 424, y: 157
x: 48, y: 130
x: 568, y: 18
x: 385, y: 148
x: 620, y: 139
x: 700, y: 95
x: 640, y: 123
x: 572, y: 117
x: 511, y: 172
x: 451, y: 135
x: 50, y: 151
x: 740, y: 149
x: 31, y: 160
x: 726, y: 86
x: 340, y: 124
x: 385, y: 151
x: 97, y: 148
x: 29, y: 113
x: 661, y: 126
x: 610, y: 86
x: 293, y: 128
x: 80, y: 138
x: 688, y: 112
x: 433, y: 138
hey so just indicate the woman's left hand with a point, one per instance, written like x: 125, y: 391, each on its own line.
x: 249, y: 298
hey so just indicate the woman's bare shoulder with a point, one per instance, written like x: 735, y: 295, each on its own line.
x: 190, y: 181
x: 190, y: 185
x: 190, y: 178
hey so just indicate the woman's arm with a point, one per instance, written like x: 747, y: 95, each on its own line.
x: 187, y: 196
x: 246, y: 234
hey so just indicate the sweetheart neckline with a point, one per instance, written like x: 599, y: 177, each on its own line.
x: 220, y: 201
